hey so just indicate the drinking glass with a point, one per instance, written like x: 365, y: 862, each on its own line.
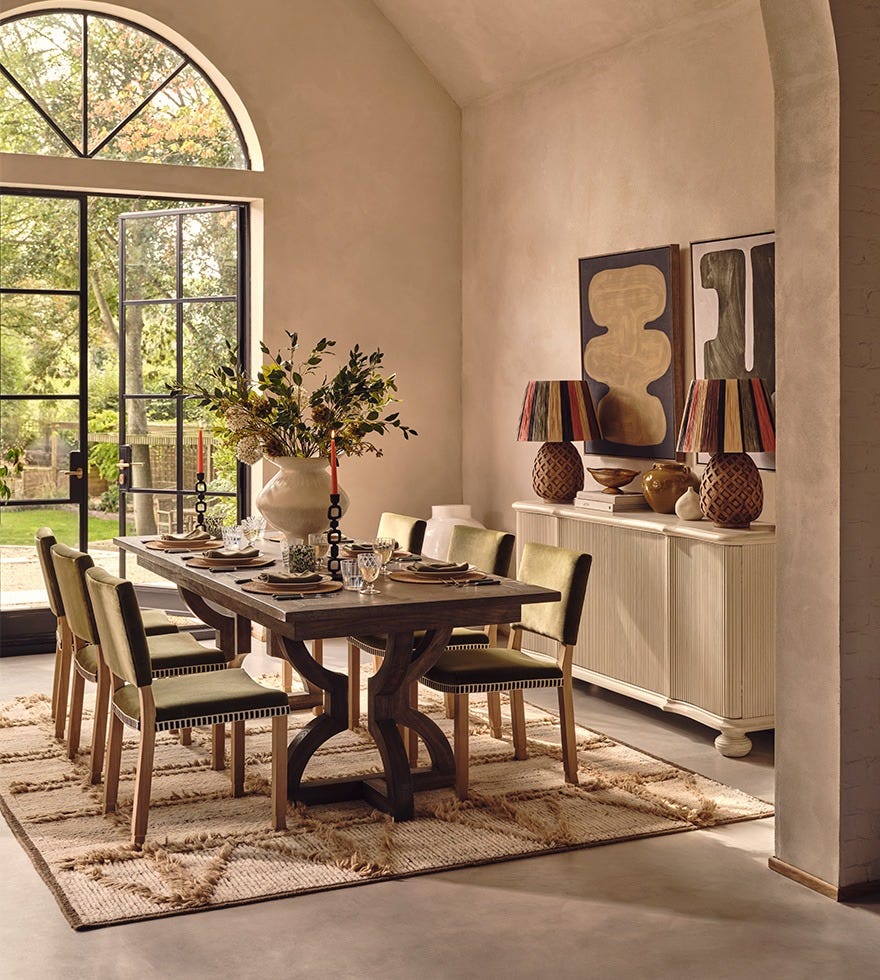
x: 351, y: 575
x: 384, y: 548
x: 231, y: 537
x: 320, y: 545
x: 370, y: 564
x: 252, y: 528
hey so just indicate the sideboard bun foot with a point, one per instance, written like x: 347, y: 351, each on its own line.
x: 732, y: 744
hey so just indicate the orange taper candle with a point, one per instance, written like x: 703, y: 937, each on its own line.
x: 334, y: 484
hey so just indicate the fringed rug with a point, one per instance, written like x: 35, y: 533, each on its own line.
x: 206, y: 849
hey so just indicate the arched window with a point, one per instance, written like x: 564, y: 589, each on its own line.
x: 80, y: 84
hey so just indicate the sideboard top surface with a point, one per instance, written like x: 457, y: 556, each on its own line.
x: 647, y: 520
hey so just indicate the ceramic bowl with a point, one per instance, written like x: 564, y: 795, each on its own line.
x: 612, y: 478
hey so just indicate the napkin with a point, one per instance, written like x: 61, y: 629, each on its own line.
x: 360, y: 547
x: 440, y: 567
x: 290, y: 578
x: 196, y: 534
x: 234, y: 554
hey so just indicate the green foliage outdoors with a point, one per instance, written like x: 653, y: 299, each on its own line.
x: 17, y: 525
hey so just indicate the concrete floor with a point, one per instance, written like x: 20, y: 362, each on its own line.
x: 700, y: 904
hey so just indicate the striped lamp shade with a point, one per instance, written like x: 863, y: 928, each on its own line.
x: 727, y: 415
x: 557, y: 411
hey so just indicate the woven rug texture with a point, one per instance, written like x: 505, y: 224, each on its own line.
x: 206, y: 849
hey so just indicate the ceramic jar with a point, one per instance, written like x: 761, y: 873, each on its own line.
x: 688, y: 506
x: 296, y: 499
x: 439, y: 530
x: 664, y: 483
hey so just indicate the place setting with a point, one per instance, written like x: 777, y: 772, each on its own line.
x: 442, y: 573
x: 198, y: 539
x: 289, y: 585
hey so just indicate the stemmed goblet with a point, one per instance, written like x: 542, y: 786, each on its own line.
x: 370, y: 564
x: 320, y: 546
x: 384, y: 548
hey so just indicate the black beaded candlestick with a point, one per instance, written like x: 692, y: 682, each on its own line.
x: 334, y: 536
x: 201, y: 506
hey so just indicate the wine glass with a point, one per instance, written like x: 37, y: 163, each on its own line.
x: 370, y: 565
x: 384, y: 548
x: 252, y: 530
x: 320, y: 546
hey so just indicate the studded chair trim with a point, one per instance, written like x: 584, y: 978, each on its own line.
x: 488, y: 688
x: 196, y: 721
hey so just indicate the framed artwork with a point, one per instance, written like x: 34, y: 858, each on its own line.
x: 631, y: 349
x: 735, y: 314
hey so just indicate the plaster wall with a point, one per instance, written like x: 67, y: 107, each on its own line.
x: 666, y: 139
x: 356, y: 213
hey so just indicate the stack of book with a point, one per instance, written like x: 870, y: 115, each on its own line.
x: 611, y: 503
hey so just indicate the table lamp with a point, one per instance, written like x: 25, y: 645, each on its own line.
x: 555, y: 413
x: 729, y: 417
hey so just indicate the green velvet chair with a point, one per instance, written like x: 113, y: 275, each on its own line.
x: 487, y: 550
x: 171, y: 653
x: 162, y: 704
x: 155, y: 621
x: 408, y: 532
x: 495, y: 669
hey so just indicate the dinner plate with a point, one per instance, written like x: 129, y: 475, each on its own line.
x: 432, y: 578
x: 258, y: 562
x: 290, y: 588
x: 203, y: 545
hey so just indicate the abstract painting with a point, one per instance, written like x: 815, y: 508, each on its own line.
x: 632, y: 351
x: 735, y: 313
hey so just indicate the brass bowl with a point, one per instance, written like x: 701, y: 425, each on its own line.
x: 612, y: 478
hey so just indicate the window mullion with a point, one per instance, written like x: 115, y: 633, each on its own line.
x: 36, y: 105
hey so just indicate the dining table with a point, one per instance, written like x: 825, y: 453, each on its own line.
x: 398, y: 611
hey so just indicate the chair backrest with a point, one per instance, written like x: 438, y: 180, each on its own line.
x: 408, y: 532
x: 489, y: 550
x: 566, y: 572
x: 120, y: 626
x: 44, y: 539
x: 70, y: 569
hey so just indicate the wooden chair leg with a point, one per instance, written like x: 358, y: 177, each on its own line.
x: 518, y: 722
x: 218, y: 747
x: 140, y: 813
x: 354, y: 687
x: 279, y: 772
x: 76, y: 706
x: 318, y: 654
x: 377, y: 663
x: 460, y: 734
x: 63, y: 679
x: 236, y: 765
x: 494, y: 706
x: 186, y: 736
x: 112, y: 763
x: 56, y: 673
x: 450, y: 705
x: 286, y: 677
x: 569, y: 739
x: 99, y: 724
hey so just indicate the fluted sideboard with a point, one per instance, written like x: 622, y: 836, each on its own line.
x: 678, y: 614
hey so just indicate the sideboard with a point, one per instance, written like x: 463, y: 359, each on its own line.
x: 679, y: 614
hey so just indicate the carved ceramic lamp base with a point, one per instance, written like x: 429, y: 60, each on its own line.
x: 731, y: 492
x: 558, y: 472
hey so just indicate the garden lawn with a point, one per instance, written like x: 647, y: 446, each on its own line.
x: 17, y: 525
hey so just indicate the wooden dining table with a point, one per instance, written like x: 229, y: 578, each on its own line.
x: 398, y: 611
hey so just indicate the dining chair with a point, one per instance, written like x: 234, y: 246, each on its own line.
x: 487, y: 550
x: 495, y: 669
x: 171, y: 654
x: 155, y: 620
x: 150, y: 704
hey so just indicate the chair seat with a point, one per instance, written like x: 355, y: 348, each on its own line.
x: 170, y: 654
x: 463, y: 637
x: 490, y: 669
x: 215, y: 698
x: 181, y: 653
x: 157, y: 622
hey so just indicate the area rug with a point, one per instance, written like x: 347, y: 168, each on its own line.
x: 208, y: 850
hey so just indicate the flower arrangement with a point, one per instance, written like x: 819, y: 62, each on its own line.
x: 291, y: 409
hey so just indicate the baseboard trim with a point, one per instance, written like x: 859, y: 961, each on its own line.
x: 838, y: 893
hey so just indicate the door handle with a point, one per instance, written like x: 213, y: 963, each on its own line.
x: 78, y: 473
x: 122, y: 465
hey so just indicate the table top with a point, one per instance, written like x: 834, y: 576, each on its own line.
x: 399, y: 607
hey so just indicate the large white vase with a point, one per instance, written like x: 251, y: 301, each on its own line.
x: 444, y: 517
x: 296, y: 499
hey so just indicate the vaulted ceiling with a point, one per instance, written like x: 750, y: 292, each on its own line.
x: 476, y: 48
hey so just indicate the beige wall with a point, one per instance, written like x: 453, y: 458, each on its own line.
x: 665, y: 140
x: 357, y: 212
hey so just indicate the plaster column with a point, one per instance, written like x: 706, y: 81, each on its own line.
x: 828, y: 622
